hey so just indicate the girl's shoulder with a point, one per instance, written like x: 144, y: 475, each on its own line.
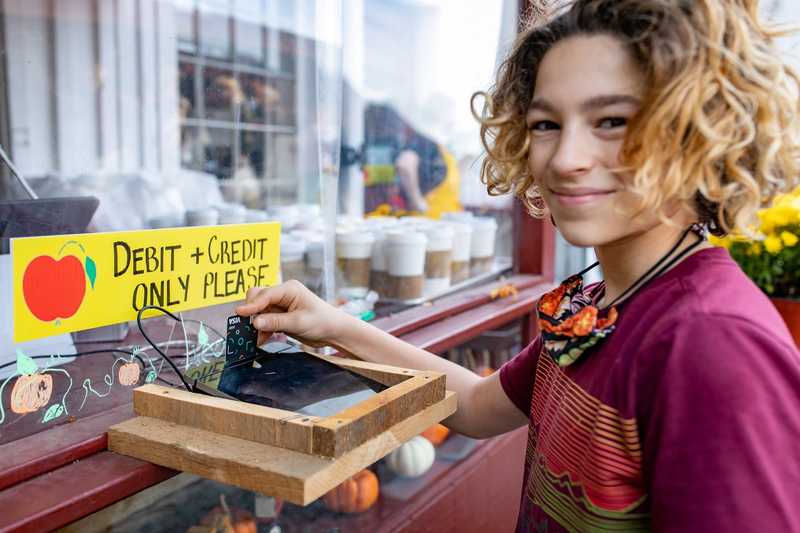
x: 706, y: 295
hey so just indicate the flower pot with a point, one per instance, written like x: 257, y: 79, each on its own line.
x: 790, y: 311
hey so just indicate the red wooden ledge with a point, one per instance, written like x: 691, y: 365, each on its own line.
x: 456, y: 330
x: 76, y: 490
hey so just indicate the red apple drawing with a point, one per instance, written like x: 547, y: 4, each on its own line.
x: 54, y: 288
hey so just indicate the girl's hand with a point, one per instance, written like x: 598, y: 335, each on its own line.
x: 293, y: 309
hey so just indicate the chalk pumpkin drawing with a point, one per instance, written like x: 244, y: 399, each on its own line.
x: 31, y: 393
x: 33, y: 387
x: 128, y: 374
x: 55, y: 288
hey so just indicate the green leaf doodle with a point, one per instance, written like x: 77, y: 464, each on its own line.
x: 91, y: 270
x: 202, y: 336
x: 25, y: 365
x: 54, y: 411
x: 151, y: 377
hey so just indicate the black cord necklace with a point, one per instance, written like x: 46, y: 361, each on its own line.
x: 661, y: 266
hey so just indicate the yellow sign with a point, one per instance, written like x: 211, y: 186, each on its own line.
x: 70, y: 283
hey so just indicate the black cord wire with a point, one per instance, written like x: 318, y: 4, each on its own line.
x: 156, y: 348
x: 79, y: 354
x: 214, y: 331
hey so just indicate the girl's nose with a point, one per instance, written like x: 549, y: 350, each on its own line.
x: 573, y: 154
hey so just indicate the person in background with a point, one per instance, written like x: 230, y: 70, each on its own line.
x: 406, y: 169
x: 667, y: 396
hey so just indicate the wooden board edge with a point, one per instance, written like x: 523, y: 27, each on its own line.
x: 385, y: 374
x: 257, y: 423
x: 125, y: 439
x: 335, y: 435
x: 377, y: 448
x: 205, y: 455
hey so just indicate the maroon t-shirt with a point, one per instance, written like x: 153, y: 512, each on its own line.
x: 687, y: 418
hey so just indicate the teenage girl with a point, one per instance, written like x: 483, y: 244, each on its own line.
x: 666, y: 397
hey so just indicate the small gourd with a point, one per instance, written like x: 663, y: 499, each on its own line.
x: 413, y: 458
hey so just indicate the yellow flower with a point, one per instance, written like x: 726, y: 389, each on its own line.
x: 789, y: 238
x: 773, y: 244
x: 755, y: 249
x: 724, y: 242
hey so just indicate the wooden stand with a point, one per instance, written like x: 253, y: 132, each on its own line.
x: 275, y: 452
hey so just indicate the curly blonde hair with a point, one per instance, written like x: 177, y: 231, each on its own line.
x: 718, y: 127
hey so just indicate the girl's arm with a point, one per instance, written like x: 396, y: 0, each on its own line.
x: 484, y: 409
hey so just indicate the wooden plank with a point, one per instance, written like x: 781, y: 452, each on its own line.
x: 336, y: 435
x: 329, y: 437
x: 297, y: 477
x: 385, y: 374
x: 243, y: 420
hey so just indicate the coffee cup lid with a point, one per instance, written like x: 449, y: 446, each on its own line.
x: 354, y: 237
x: 406, y: 237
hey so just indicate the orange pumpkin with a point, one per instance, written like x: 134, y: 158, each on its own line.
x: 129, y: 374
x: 355, y: 495
x: 235, y: 521
x: 436, y: 434
x: 31, y: 393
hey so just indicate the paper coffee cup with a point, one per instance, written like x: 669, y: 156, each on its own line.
x: 484, y: 231
x: 462, y: 239
x: 405, y: 257
x: 438, y: 257
x: 354, y: 257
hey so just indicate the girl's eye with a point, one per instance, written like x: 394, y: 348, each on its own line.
x: 612, y: 122
x: 544, y: 125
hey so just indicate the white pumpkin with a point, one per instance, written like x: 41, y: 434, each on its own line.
x: 413, y: 458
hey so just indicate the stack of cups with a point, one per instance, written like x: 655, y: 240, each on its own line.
x: 354, y: 259
x: 462, y: 237
x: 484, y: 230
x: 206, y: 216
x: 405, y: 258
x: 292, y: 259
x: 438, y: 257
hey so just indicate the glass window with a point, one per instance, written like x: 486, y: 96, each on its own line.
x: 171, y: 113
x: 347, y: 122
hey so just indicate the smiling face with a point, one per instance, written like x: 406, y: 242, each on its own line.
x: 587, y: 90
